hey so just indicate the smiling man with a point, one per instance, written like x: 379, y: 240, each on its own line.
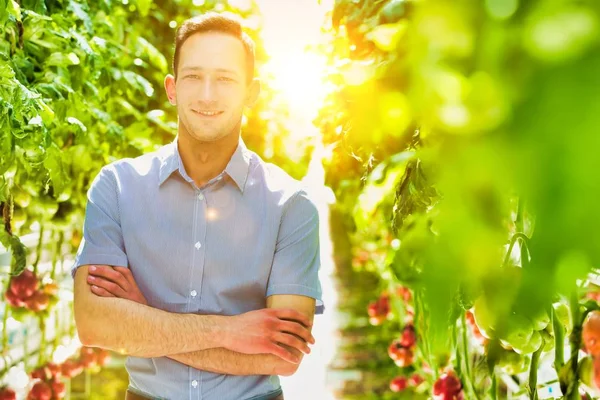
x: 200, y: 261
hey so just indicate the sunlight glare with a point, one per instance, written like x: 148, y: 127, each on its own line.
x: 299, y: 78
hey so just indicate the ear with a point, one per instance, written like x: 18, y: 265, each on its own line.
x: 253, y: 92
x: 170, y: 89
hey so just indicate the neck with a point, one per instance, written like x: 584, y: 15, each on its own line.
x: 204, y: 161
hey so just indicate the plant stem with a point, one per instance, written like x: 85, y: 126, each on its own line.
x: 4, y: 321
x: 533, y: 370
x: 57, y: 253
x: 457, y: 354
x: 465, y: 348
x: 575, y: 339
x: 38, y: 250
x: 494, y: 388
x: 520, y: 225
x: 559, y: 343
x: 513, y: 240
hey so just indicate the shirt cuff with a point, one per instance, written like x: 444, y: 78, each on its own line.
x: 300, y: 290
x: 98, y: 259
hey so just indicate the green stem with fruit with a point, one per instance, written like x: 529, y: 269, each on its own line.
x: 465, y: 349
x: 5, y: 320
x: 421, y: 318
x: 5, y: 333
x: 457, y: 353
x: 42, y: 351
x: 533, y: 370
x: 559, y: 342
x: 57, y: 253
x: 494, y: 387
x: 575, y: 339
x: 38, y: 250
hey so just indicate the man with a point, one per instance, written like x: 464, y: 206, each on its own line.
x: 224, y: 247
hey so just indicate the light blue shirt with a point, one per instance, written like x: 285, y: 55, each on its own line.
x: 249, y: 233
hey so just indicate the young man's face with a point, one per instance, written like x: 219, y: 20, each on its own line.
x: 212, y: 87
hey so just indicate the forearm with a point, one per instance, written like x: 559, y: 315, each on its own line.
x: 142, y: 331
x: 223, y: 361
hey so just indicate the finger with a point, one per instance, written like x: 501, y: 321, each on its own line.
x: 112, y: 275
x: 101, y: 292
x: 292, y: 341
x: 296, y: 329
x: 293, y: 315
x: 107, y: 285
x: 284, y: 354
x: 126, y: 272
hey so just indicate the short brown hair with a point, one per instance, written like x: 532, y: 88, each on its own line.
x: 214, y: 22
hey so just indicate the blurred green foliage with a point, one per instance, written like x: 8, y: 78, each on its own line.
x: 457, y: 125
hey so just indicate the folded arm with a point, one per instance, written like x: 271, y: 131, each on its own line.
x: 261, y: 342
x: 138, y: 330
x: 224, y: 361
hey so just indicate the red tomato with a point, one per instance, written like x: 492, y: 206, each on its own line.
x: 7, y: 394
x: 40, y: 391
x: 398, y: 384
x: 25, y: 284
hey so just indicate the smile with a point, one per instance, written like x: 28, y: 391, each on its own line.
x: 208, y: 113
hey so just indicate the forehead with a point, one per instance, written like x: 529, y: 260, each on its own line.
x: 213, y: 50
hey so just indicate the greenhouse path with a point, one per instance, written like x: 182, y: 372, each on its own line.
x: 313, y: 380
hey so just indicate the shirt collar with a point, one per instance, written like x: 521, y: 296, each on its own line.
x: 169, y: 162
x: 237, y: 168
x: 238, y: 165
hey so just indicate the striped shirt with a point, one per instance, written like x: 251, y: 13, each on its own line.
x: 222, y: 248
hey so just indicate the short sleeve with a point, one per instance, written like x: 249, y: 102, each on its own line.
x: 296, y: 263
x: 102, y: 241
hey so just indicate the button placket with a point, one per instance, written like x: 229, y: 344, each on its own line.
x: 195, y: 299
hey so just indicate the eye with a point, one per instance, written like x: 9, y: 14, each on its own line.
x: 225, y: 79
x: 192, y: 76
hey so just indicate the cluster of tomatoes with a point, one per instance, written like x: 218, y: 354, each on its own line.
x: 26, y: 291
x: 47, y: 378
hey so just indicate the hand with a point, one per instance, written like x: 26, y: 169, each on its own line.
x: 118, y: 282
x: 265, y: 331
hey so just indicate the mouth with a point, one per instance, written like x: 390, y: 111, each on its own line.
x: 206, y: 113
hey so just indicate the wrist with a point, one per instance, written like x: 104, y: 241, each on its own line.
x: 220, y: 330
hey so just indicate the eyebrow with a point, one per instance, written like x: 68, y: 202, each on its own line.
x: 229, y: 71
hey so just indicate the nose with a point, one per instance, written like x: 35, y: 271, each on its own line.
x: 207, y: 91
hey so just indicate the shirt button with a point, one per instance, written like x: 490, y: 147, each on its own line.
x: 198, y: 245
x: 193, y: 293
x: 200, y: 196
x: 194, y: 383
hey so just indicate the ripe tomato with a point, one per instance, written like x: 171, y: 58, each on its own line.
x: 7, y: 394
x: 25, y: 284
x: 398, y: 384
x: 591, y: 333
x: 13, y: 299
x: 409, y: 336
x: 40, y: 391
x: 448, y: 387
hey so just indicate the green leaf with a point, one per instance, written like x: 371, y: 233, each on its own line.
x: 139, y: 82
x: 386, y: 36
x: 82, y: 42
x: 155, y: 57
x: 144, y: 7
x: 3, y: 11
x: 81, y: 13
x: 14, y: 9
x: 75, y: 121
x: 53, y: 163
x: 19, y: 252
